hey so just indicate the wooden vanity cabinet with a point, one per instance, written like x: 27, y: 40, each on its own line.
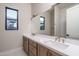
x: 33, y: 48
x: 52, y: 53
x: 25, y: 44
x: 42, y: 51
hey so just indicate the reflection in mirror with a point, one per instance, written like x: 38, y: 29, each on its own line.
x: 61, y: 20
x: 72, y: 22
x: 42, y: 23
x: 64, y: 15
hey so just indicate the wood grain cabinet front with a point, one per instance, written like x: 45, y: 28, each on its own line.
x: 42, y: 51
x: 33, y: 50
x: 53, y: 53
x: 25, y: 44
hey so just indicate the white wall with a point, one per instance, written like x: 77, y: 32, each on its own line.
x: 35, y: 24
x: 73, y: 22
x: 12, y: 39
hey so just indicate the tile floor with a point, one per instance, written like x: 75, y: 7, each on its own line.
x: 18, y: 52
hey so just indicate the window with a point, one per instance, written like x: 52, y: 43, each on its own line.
x: 11, y: 19
x: 42, y: 23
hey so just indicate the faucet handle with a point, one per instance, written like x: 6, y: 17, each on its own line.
x: 56, y: 38
x: 62, y: 40
x: 59, y: 39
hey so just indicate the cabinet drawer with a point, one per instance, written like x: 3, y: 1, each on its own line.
x: 32, y: 50
x: 34, y: 44
x: 52, y: 53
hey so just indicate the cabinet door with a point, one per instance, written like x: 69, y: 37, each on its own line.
x: 42, y: 51
x: 25, y: 44
x: 33, y: 48
x: 52, y: 53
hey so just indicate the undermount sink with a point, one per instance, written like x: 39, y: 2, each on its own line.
x: 53, y: 43
x: 44, y: 40
x: 58, y: 45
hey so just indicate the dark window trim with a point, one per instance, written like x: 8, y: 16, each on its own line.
x: 6, y: 17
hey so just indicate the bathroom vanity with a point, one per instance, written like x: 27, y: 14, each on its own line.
x: 60, y: 21
x: 34, y: 48
x: 44, y: 45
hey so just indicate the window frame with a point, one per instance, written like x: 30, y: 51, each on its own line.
x: 7, y: 19
x: 42, y: 23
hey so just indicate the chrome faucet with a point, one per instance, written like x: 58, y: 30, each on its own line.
x: 59, y: 39
x: 62, y: 40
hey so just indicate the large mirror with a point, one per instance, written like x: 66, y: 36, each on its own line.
x: 42, y: 24
x: 61, y: 20
x: 72, y: 22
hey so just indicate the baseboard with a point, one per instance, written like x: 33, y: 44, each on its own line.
x: 10, y: 51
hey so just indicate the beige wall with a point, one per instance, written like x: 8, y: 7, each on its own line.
x: 63, y: 22
x: 57, y: 27
x: 60, y: 20
x: 36, y: 24
x: 41, y: 7
x: 12, y: 39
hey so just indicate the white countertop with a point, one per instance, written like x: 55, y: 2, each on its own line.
x: 71, y: 50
